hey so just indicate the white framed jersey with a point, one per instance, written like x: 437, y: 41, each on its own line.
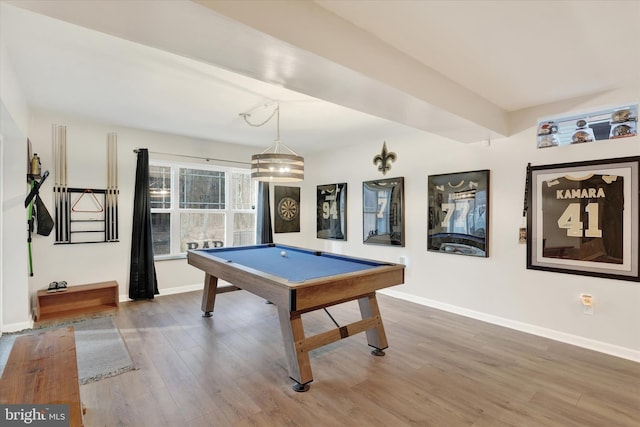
x: 584, y: 218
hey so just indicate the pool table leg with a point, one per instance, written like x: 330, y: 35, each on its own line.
x: 297, y: 359
x: 209, y: 294
x: 376, y: 337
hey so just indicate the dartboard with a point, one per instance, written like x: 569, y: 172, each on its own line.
x: 288, y: 209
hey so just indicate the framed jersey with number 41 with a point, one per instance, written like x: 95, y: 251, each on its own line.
x: 332, y: 211
x: 583, y: 218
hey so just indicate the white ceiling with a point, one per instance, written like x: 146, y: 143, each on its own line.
x: 516, y: 54
x: 343, y: 70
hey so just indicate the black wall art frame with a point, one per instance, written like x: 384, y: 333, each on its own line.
x: 287, y: 209
x: 458, y: 217
x: 383, y: 211
x: 583, y: 218
x: 331, y: 204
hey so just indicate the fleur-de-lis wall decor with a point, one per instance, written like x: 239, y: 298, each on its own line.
x: 383, y: 159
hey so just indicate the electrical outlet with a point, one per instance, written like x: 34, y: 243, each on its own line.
x: 587, y: 303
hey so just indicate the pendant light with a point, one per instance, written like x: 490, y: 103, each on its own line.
x: 278, y: 163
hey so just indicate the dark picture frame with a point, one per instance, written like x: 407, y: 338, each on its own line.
x: 331, y: 203
x: 583, y: 218
x: 458, y: 217
x: 287, y: 209
x: 383, y: 212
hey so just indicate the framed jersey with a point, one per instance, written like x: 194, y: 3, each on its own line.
x: 383, y: 212
x: 331, y: 220
x: 583, y: 218
x: 458, y: 221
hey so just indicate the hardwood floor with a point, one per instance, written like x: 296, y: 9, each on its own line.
x: 440, y: 370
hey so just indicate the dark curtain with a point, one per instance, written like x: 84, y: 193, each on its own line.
x: 143, y: 283
x: 264, y: 234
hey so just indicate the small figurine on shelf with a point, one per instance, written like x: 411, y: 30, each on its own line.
x: 583, y: 133
x: 621, y: 116
x: 547, y: 134
x: 623, y: 123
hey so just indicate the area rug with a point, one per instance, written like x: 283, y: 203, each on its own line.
x: 100, y: 350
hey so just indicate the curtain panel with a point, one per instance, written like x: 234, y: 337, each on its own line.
x: 264, y: 233
x: 143, y: 283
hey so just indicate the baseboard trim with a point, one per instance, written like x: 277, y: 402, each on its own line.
x: 182, y: 289
x: 599, y: 346
x: 16, y: 327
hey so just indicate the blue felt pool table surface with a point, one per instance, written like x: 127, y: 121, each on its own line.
x: 298, y: 265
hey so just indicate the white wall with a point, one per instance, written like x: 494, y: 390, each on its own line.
x: 14, y: 118
x: 14, y: 310
x: 498, y: 289
x: 87, y: 164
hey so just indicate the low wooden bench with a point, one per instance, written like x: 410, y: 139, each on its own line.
x: 42, y: 369
x: 76, y: 302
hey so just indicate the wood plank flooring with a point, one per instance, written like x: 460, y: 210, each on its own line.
x: 440, y: 370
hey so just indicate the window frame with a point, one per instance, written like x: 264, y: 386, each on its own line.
x: 175, y: 211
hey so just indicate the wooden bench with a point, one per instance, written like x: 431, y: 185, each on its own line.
x: 42, y: 369
x: 76, y: 302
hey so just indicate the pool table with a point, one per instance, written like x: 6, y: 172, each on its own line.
x: 298, y: 281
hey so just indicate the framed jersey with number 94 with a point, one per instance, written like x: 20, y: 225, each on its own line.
x: 332, y: 211
x: 583, y: 218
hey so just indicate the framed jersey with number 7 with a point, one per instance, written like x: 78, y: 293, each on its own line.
x: 383, y: 212
x: 583, y: 218
x: 459, y: 213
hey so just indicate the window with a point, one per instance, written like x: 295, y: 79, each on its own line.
x: 197, y: 206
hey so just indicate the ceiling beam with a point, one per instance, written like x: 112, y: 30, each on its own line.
x: 299, y: 46
x: 374, y: 77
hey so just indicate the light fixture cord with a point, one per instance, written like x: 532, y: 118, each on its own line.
x: 276, y: 110
x: 278, y: 124
x: 277, y: 142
